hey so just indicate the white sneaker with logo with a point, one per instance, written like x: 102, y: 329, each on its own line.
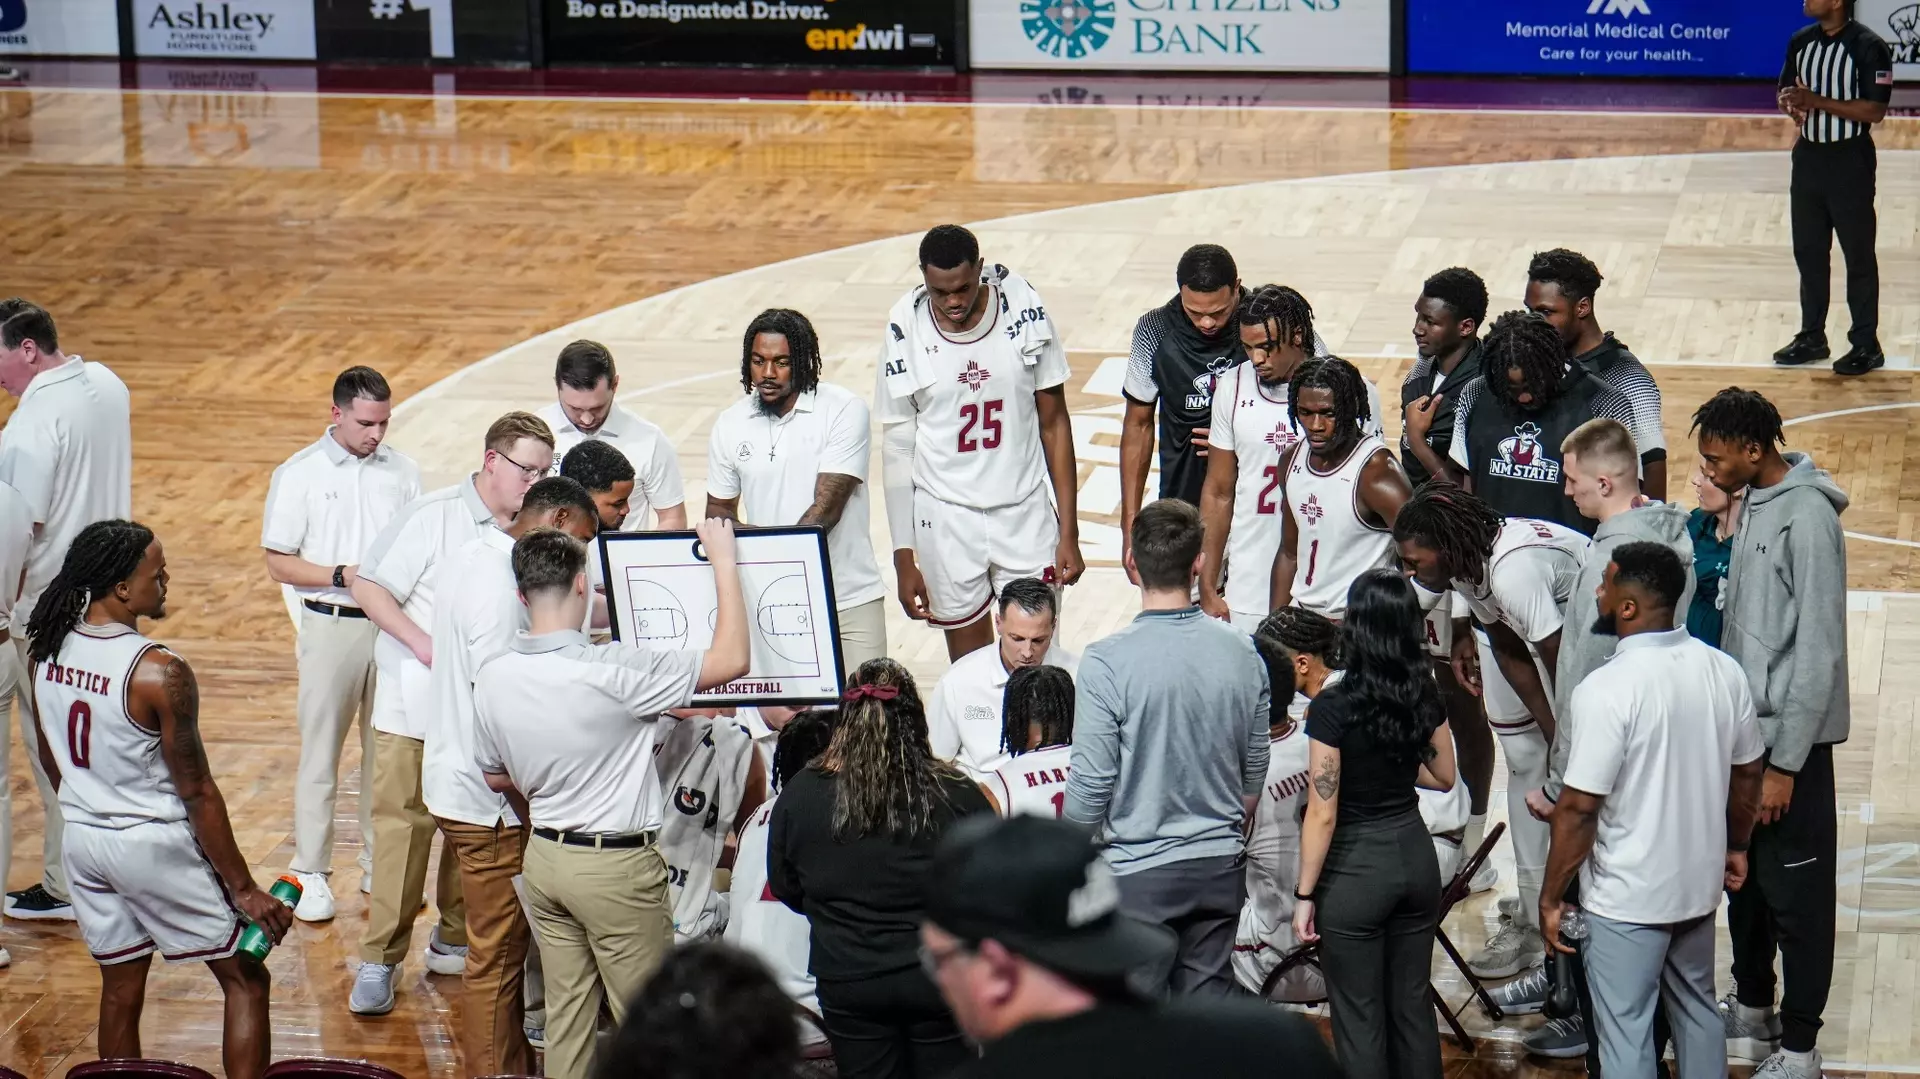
x: 316, y: 898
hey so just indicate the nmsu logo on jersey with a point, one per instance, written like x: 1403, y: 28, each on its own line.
x: 1202, y: 395
x: 1522, y: 457
x: 1073, y: 29
x: 690, y: 800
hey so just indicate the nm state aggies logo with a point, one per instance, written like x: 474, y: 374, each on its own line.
x: 1202, y: 396
x: 13, y: 15
x: 689, y: 800
x: 1073, y: 29
x: 1522, y: 457
x: 1312, y: 510
x: 975, y: 376
x: 1282, y: 437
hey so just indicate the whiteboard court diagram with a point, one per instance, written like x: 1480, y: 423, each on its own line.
x: 660, y: 592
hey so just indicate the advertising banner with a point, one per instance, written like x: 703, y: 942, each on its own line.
x: 239, y: 29
x: 1177, y: 35
x: 59, y: 28
x: 1898, y: 21
x: 1619, y: 38
x: 811, y: 33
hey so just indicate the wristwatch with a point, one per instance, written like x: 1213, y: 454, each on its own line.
x: 339, y: 576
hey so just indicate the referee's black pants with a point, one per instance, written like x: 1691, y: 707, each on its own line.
x: 1832, y: 195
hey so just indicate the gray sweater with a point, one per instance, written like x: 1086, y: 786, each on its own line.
x: 1786, y: 611
x: 1169, y: 737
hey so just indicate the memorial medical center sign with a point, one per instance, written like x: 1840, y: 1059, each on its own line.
x: 1211, y: 35
x: 1700, y: 38
x: 817, y: 33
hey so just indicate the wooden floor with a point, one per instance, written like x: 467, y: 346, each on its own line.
x: 227, y: 253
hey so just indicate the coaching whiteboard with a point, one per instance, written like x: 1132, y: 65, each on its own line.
x: 660, y: 594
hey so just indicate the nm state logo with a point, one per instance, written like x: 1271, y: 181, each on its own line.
x: 1073, y: 29
x: 1523, y: 458
x: 1203, y: 383
x: 1282, y: 437
x: 13, y: 15
x: 975, y: 376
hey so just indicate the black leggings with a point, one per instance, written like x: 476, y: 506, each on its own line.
x: 892, y: 1026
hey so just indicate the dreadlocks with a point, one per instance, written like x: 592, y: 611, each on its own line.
x: 104, y: 554
x: 1525, y: 342
x: 1340, y: 379
x: 1036, y: 697
x: 1743, y: 416
x: 803, y: 347
x: 1453, y: 524
x: 1285, y: 313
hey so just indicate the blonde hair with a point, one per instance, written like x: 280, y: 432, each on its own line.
x: 1606, y: 447
x: 515, y: 426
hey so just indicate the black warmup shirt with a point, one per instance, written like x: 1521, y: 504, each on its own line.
x: 1372, y: 785
x: 1514, y: 455
x: 1214, y: 1039
x: 1852, y: 65
x: 1420, y: 383
x: 1173, y: 364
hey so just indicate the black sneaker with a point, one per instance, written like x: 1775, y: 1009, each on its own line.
x: 1859, y: 361
x: 1804, y: 348
x: 36, y: 904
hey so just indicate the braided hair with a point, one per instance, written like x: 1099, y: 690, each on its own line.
x: 1525, y: 342
x: 1740, y: 416
x: 803, y: 347
x: 1457, y: 526
x: 1283, y: 312
x: 1303, y: 633
x: 1340, y: 379
x: 1036, y: 697
x: 104, y: 554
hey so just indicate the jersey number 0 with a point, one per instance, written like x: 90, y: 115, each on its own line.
x: 80, y: 734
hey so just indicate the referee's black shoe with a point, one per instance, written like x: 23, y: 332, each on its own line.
x: 1858, y: 361
x: 1804, y: 348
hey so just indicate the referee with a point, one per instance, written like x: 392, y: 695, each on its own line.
x: 1835, y: 84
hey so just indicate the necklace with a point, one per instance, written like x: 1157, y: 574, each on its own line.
x: 775, y: 431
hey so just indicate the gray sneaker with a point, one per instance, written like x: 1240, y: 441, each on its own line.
x: 1747, y: 1041
x: 373, y: 989
x: 1784, y: 1065
x: 1512, y: 949
x: 1524, y: 995
x: 1561, y: 1039
x: 1509, y: 908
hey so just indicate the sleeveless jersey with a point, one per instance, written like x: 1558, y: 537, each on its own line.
x: 1333, y: 542
x: 111, y: 771
x: 1265, y: 931
x: 1034, y: 783
x: 763, y: 925
x: 703, y: 765
x: 1529, y: 577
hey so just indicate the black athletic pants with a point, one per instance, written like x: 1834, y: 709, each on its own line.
x: 1788, y: 904
x: 1832, y: 194
x: 891, y: 1026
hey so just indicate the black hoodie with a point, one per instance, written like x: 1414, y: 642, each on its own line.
x: 1180, y: 365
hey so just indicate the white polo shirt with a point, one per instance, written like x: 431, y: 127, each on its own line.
x: 68, y: 450
x: 471, y: 625
x: 574, y: 724
x: 326, y: 505
x: 1657, y: 730
x: 770, y: 465
x: 963, y: 718
x: 403, y: 559
x: 16, y: 537
x: 656, y: 470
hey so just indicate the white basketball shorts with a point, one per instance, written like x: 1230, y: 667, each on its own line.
x: 1506, y: 713
x: 967, y: 554
x: 148, y: 888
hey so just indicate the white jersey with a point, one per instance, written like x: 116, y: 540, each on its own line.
x: 780, y: 936
x: 1265, y: 932
x: 703, y: 765
x: 111, y: 771
x: 1333, y: 542
x: 1253, y: 421
x: 1033, y: 784
x: 1529, y: 578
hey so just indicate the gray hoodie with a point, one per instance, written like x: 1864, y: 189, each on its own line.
x: 1786, y: 611
x: 1582, y: 651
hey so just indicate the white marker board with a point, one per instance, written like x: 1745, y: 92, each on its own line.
x: 660, y: 594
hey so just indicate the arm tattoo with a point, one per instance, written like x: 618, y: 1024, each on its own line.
x: 830, y: 493
x: 1326, y: 780
x: 183, y: 701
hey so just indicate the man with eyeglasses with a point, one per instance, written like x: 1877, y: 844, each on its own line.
x: 395, y: 587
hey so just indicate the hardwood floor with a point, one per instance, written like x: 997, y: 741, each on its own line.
x: 227, y: 253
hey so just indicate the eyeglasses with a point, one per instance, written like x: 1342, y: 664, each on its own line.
x: 526, y: 470
x: 931, y: 961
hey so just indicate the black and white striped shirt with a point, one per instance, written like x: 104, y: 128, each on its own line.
x: 1852, y: 65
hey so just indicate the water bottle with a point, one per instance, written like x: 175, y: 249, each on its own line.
x: 254, y: 942
x: 1563, y: 996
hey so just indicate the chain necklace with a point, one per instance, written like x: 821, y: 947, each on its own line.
x: 776, y: 431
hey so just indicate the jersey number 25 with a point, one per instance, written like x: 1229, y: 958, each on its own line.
x: 985, y: 416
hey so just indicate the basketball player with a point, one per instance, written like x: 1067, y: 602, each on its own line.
x: 585, y: 381
x: 972, y: 399
x: 713, y: 780
x: 607, y: 475
x: 964, y: 716
x: 1516, y: 575
x: 149, y: 846
x: 1038, y: 732
x: 1252, y: 431
x: 68, y: 447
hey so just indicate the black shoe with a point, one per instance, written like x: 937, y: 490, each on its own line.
x: 1859, y: 361
x: 37, y: 904
x: 1804, y: 348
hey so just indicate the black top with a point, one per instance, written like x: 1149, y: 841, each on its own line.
x: 1613, y: 363
x: 1215, y: 1039
x: 1418, y: 384
x: 1514, y: 455
x: 1852, y: 65
x: 863, y: 898
x: 1182, y: 366
x: 1372, y: 786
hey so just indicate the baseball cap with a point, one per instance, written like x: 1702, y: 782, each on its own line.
x: 1040, y: 888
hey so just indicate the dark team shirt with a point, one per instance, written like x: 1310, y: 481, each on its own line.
x: 1852, y: 65
x: 1419, y: 383
x: 1514, y: 455
x: 1613, y: 363
x: 1171, y: 363
x: 1213, y: 1039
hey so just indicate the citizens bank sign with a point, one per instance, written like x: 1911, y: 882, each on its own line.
x: 1248, y: 35
x: 241, y: 29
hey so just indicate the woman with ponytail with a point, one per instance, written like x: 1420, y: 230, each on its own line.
x: 851, y: 837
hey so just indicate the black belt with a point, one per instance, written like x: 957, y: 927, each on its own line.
x: 331, y: 609
x: 598, y: 840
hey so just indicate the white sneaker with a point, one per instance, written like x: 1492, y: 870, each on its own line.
x: 316, y: 898
x: 1753, y: 1035
x: 6, y: 958
x: 445, y: 958
x: 1486, y: 880
x: 373, y: 989
x: 1509, y: 908
x: 366, y: 882
x: 1512, y: 949
x: 1785, y: 1065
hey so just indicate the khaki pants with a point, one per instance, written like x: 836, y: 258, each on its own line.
x: 52, y: 835
x: 863, y: 633
x: 605, y: 924
x: 402, y: 840
x: 497, y: 935
x: 336, y: 683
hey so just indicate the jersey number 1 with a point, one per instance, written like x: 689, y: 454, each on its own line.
x: 80, y: 734
x: 1059, y: 804
x: 986, y: 416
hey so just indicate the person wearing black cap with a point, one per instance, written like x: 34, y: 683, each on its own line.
x: 1025, y: 937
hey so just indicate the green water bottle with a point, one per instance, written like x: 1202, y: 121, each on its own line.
x: 254, y: 942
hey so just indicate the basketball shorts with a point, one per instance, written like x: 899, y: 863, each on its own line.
x: 1506, y: 713
x: 966, y: 555
x: 148, y: 888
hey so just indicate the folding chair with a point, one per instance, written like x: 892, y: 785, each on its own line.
x: 1456, y: 891
x: 328, y: 1068
x: 128, y: 1068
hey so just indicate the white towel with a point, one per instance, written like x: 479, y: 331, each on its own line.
x: 1023, y: 319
